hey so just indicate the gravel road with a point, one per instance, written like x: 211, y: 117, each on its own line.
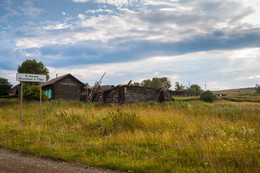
x: 13, y: 162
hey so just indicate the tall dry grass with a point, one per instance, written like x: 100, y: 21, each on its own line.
x: 142, y: 137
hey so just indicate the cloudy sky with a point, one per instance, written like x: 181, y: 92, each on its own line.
x: 212, y: 42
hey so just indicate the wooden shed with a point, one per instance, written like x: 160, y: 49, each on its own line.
x: 63, y: 87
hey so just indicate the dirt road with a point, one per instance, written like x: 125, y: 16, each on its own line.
x: 13, y: 162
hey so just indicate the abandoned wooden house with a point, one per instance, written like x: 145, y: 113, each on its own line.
x: 125, y: 94
x: 15, y: 91
x: 63, y: 87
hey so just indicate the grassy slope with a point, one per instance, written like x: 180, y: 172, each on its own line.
x: 173, y: 137
x: 240, y: 95
x: 237, y: 92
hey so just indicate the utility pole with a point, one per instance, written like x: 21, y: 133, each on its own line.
x: 205, y: 87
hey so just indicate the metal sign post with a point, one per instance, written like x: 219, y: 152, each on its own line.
x: 22, y: 77
x: 40, y: 103
x: 21, y: 103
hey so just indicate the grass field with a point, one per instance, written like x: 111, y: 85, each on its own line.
x: 142, y: 137
x: 240, y: 95
x: 185, y: 98
x: 237, y: 92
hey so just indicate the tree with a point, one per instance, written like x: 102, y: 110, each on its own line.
x: 257, y: 89
x: 156, y: 82
x: 86, y: 85
x: 178, y: 86
x: 135, y: 84
x: 195, y: 90
x: 5, y: 86
x: 208, y: 96
x: 33, y: 67
x: 166, y: 83
x: 146, y: 83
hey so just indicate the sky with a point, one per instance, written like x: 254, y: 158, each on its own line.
x: 212, y: 43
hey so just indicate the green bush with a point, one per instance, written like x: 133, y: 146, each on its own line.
x: 33, y: 93
x: 208, y: 96
x: 257, y: 89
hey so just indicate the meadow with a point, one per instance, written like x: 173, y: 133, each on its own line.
x: 143, y: 137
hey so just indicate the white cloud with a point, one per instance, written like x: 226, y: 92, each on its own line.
x: 252, y: 77
x: 247, y: 53
x: 31, y: 11
x: 80, y: 1
x: 56, y: 27
x: 100, y: 11
x: 161, y: 2
x: 10, y: 13
x: 217, y: 85
x: 10, y: 75
x: 118, y: 3
x: 81, y: 16
x: 253, y: 18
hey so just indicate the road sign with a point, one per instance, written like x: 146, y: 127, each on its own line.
x: 23, y: 77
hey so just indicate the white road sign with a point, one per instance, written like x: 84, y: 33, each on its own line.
x: 23, y: 77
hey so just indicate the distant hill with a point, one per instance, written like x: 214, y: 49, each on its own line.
x: 236, y: 92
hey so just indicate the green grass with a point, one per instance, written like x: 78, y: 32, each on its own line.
x: 142, y: 137
x: 245, y: 98
x: 7, y: 100
x: 184, y: 98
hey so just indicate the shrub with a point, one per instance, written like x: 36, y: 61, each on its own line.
x: 257, y: 89
x: 208, y: 96
x: 33, y: 93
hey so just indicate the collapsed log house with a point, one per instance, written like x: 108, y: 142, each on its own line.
x: 125, y: 94
x: 15, y: 91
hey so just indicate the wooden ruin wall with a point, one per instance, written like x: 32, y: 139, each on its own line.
x: 132, y: 94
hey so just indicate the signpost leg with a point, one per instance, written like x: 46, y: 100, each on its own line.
x: 40, y: 103
x: 21, y: 102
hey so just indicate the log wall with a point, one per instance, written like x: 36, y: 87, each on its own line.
x: 67, y: 88
x: 136, y: 94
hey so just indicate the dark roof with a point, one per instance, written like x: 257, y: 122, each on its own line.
x: 52, y: 81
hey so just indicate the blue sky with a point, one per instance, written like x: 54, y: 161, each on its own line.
x: 210, y: 42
